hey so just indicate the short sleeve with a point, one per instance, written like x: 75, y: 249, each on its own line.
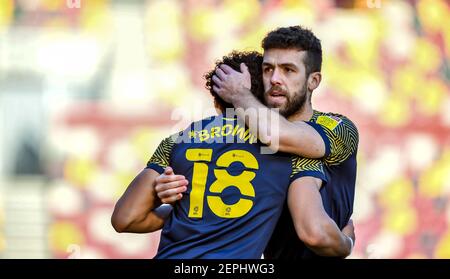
x: 161, y: 158
x: 307, y: 167
x: 341, y: 135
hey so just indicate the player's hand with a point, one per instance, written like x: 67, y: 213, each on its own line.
x: 169, y: 187
x: 230, y: 84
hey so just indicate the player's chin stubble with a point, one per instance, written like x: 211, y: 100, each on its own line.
x: 292, y: 104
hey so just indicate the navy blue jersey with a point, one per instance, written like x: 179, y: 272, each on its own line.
x: 341, y: 142
x: 235, y: 193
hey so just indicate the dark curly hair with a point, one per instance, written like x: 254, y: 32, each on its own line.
x: 300, y: 38
x: 252, y: 59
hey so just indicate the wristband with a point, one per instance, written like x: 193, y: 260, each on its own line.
x: 351, y: 244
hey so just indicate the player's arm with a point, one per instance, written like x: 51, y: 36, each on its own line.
x: 296, y: 138
x: 312, y: 224
x: 136, y: 211
x: 291, y: 137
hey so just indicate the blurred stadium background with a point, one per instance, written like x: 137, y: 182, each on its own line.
x: 87, y: 92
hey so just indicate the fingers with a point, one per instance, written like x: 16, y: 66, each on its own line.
x: 216, y: 89
x: 163, y: 178
x: 219, y: 78
x: 160, y: 187
x: 220, y: 74
x: 244, y: 69
x: 171, y: 192
x: 227, y: 69
x: 172, y: 199
x: 172, y: 195
x: 217, y: 81
x: 169, y: 186
x: 168, y: 171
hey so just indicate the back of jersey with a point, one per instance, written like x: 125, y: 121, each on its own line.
x: 235, y: 194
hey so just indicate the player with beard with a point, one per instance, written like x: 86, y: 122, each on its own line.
x: 291, y: 72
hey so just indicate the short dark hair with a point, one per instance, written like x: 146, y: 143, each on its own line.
x: 300, y: 38
x: 252, y: 59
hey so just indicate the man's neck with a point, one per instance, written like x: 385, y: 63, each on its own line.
x: 303, y: 114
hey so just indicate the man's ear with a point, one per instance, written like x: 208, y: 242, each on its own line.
x: 314, y: 80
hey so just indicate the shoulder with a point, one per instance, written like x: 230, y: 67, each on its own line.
x: 335, y: 122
